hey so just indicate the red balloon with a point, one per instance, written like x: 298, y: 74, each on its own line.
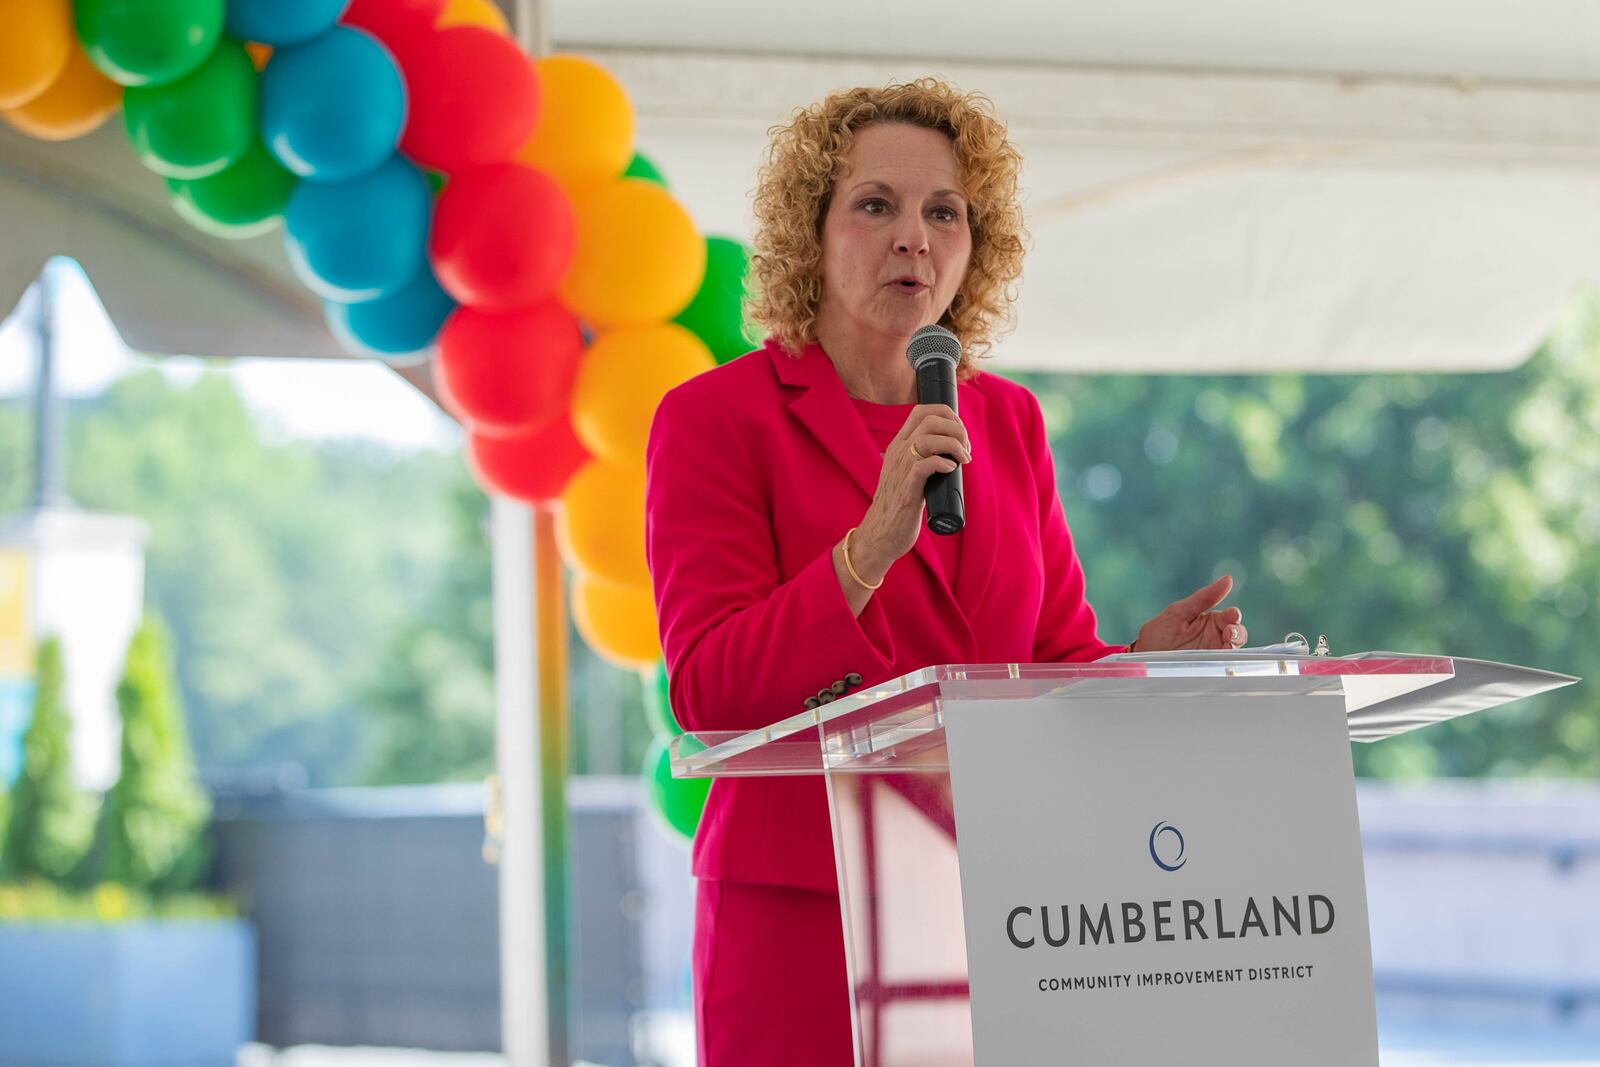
x: 397, y: 23
x: 441, y: 394
x: 474, y: 98
x: 531, y: 467
x: 502, y: 236
x: 510, y: 371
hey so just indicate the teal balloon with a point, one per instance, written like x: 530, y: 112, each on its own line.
x: 716, y: 314
x: 332, y: 108
x: 245, y: 200
x: 148, y: 42
x: 640, y: 166
x: 396, y: 328
x: 360, y: 239
x: 677, y: 801
x: 281, y: 22
x: 200, y: 124
x: 657, y: 706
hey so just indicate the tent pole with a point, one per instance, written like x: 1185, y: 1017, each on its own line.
x: 532, y: 744
x: 533, y: 741
x: 531, y: 23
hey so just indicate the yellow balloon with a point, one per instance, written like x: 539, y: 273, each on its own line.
x: 36, y: 36
x: 601, y: 524
x: 473, y: 13
x: 585, y: 130
x: 78, y: 101
x: 638, y: 258
x: 621, y: 379
x: 617, y: 621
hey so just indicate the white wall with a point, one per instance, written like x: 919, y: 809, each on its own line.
x: 86, y: 586
x: 1484, y: 899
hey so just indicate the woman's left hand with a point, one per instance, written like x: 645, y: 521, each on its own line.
x: 1192, y: 622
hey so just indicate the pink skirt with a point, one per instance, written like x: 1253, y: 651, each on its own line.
x: 769, y: 977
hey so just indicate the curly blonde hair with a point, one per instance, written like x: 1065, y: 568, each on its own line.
x: 795, y: 186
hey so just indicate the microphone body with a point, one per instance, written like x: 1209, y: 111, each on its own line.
x: 935, y: 352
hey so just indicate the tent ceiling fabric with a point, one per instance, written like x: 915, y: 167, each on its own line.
x: 1216, y: 186
x: 1222, y: 221
x: 1536, y: 40
x: 169, y: 288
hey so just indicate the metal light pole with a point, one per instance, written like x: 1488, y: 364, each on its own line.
x: 532, y: 743
x: 49, y: 448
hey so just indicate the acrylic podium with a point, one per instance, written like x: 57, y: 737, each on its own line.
x: 886, y: 755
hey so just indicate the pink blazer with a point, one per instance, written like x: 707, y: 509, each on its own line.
x: 754, y: 471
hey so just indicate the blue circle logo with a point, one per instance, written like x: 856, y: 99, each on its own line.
x: 1175, y: 859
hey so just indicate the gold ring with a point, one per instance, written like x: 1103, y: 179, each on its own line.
x: 914, y: 451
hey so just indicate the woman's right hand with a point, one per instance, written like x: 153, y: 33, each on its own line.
x: 894, y: 519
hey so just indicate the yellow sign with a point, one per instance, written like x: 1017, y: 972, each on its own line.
x: 16, y: 642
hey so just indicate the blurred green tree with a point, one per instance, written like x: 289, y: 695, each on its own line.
x: 433, y: 691
x: 51, y: 822
x: 154, y: 815
x: 1417, y: 513
x: 280, y: 565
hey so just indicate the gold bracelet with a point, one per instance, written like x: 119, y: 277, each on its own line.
x: 851, y: 567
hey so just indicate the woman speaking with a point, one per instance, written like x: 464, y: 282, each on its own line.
x: 784, y: 520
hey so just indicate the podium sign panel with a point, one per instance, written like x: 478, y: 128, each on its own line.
x: 1145, y: 859
x: 1151, y: 880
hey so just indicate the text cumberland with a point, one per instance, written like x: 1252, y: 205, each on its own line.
x: 1096, y: 927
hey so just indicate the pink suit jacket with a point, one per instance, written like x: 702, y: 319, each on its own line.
x: 755, y: 470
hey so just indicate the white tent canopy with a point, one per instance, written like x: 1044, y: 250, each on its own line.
x: 1241, y: 186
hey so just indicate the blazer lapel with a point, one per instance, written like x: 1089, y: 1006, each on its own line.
x: 823, y: 409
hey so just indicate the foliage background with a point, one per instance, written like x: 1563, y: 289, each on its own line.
x: 329, y: 602
x: 1414, y: 513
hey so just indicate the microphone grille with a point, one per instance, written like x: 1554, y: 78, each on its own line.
x: 933, y: 342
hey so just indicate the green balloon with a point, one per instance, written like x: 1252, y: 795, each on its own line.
x: 246, y: 200
x: 200, y: 124
x: 641, y: 167
x: 657, y: 706
x: 678, y: 801
x: 436, y: 179
x: 148, y: 42
x: 716, y: 314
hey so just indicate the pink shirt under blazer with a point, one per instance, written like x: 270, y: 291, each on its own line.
x: 755, y: 470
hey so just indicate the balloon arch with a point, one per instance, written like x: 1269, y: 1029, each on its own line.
x: 440, y: 191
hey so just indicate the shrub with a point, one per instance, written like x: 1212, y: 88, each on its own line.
x: 51, y: 823
x: 156, y: 813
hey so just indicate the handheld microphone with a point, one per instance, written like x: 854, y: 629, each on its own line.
x: 935, y: 352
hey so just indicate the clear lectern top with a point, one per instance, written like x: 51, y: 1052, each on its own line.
x: 898, y: 724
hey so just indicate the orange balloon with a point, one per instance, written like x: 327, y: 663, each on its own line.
x: 259, y: 53
x: 78, y: 101
x: 473, y: 13
x: 622, y: 378
x: 36, y: 36
x: 617, y: 621
x: 601, y: 525
x: 585, y: 130
x: 638, y: 258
